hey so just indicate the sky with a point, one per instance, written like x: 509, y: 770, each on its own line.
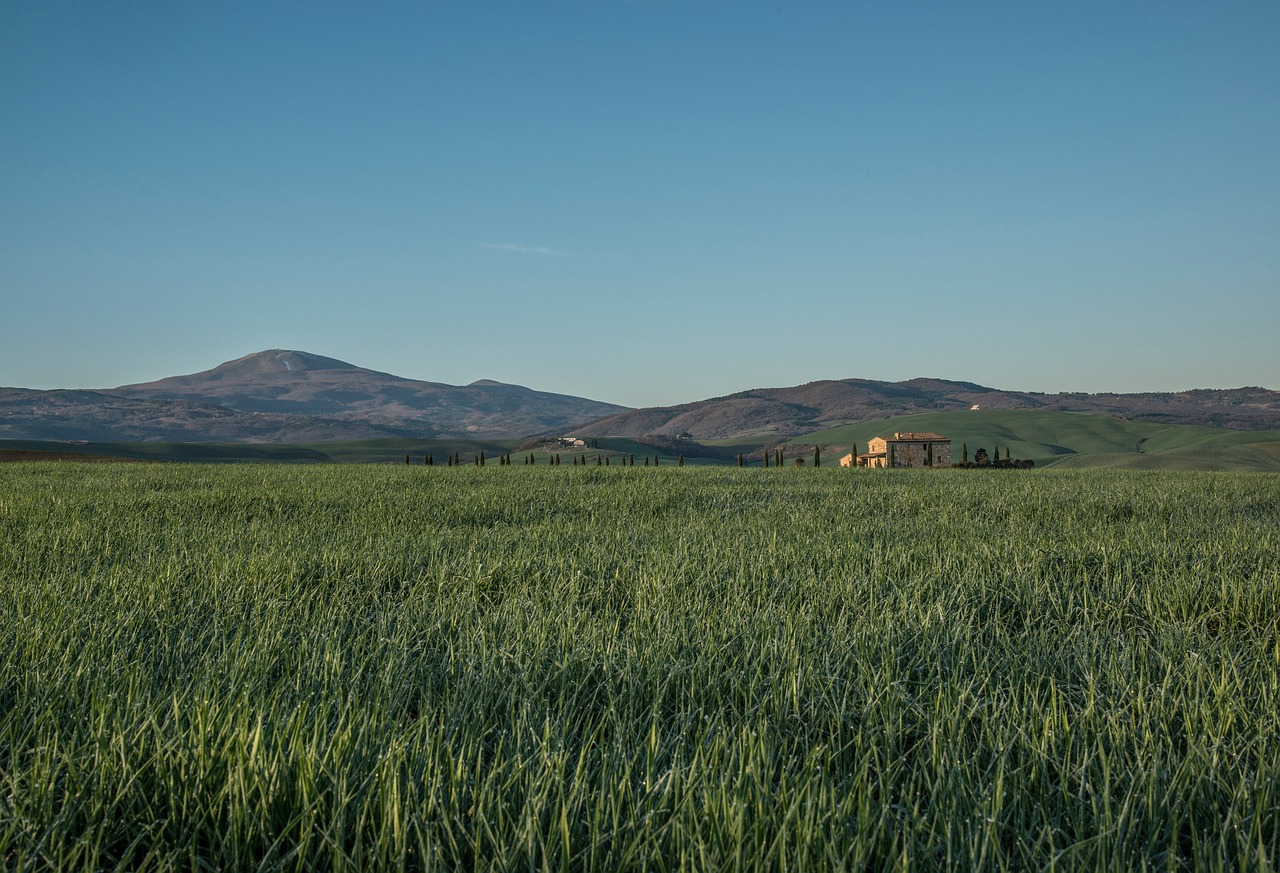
x: 644, y: 201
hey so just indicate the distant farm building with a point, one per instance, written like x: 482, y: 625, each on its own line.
x: 906, y: 450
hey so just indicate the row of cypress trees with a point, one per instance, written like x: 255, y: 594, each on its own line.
x: 455, y: 459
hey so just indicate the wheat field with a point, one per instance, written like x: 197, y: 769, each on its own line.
x: 511, y: 668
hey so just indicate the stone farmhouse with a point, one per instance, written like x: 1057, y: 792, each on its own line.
x: 911, y: 449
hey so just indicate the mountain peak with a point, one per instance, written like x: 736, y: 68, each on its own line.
x: 316, y: 392
x: 285, y: 360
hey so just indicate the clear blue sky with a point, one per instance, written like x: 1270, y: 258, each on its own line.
x: 644, y: 201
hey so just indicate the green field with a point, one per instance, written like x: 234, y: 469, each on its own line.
x: 347, y: 667
x: 1067, y: 439
x: 1076, y: 439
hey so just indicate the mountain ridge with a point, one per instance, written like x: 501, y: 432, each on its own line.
x: 285, y: 395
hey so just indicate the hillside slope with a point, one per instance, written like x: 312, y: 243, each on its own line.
x: 1073, y: 439
x: 805, y: 408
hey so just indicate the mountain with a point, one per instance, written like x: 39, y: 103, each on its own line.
x: 788, y: 412
x: 282, y: 396
x: 291, y: 396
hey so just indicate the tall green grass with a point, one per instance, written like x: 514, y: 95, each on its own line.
x: 606, y: 668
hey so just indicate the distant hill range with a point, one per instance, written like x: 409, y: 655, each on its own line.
x: 281, y: 396
x: 819, y: 405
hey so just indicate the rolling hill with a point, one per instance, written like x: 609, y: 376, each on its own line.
x: 294, y: 397
x: 1069, y: 439
x: 785, y: 412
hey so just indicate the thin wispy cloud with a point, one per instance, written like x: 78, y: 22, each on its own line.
x: 547, y: 251
x: 529, y: 250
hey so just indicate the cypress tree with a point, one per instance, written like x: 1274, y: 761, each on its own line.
x: 680, y: 460
x: 646, y: 460
x: 964, y: 456
x: 739, y: 459
x: 655, y: 459
x: 606, y: 461
x: 766, y: 459
x: 406, y: 460
x: 817, y: 456
x: 598, y: 461
x: 1006, y: 453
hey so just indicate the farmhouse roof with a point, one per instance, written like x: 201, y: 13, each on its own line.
x: 923, y: 436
